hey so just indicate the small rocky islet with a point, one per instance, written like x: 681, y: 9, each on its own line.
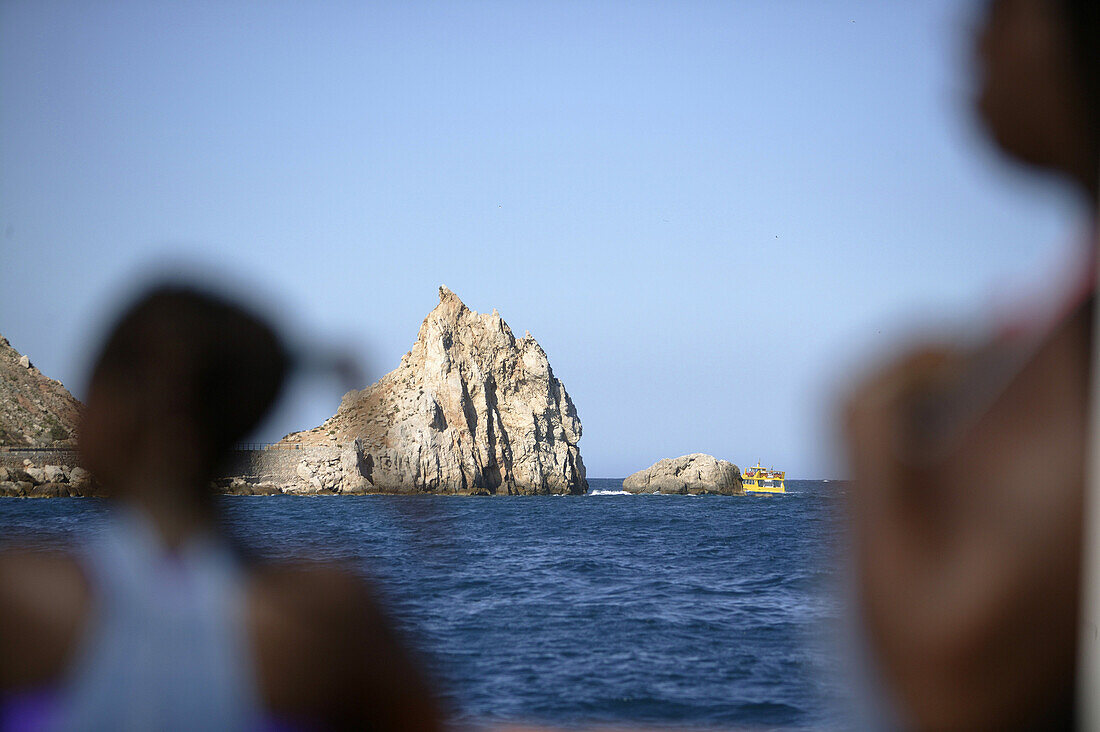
x: 693, y: 474
x: 470, y: 410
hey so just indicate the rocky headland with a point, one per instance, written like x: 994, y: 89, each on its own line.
x: 38, y: 418
x: 692, y: 474
x: 35, y: 410
x: 471, y: 409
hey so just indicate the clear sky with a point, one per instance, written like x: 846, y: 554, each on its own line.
x: 708, y: 213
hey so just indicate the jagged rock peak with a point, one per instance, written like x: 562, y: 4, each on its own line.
x: 469, y: 410
x: 446, y: 297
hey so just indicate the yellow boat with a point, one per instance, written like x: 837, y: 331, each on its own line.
x: 758, y: 480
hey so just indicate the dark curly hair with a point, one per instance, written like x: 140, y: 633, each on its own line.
x: 1083, y: 21
x: 191, y: 355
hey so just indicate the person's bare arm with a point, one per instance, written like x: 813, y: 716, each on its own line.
x: 967, y: 568
x: 327, y: 652
x: 43, y: 603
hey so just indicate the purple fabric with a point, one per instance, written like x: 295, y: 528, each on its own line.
x: 37, y: 710
x: 29, y: 711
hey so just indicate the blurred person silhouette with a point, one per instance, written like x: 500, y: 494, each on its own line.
x: 156, y: 623
x: 969, y: 462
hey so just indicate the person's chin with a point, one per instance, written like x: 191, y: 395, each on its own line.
x: 1013, y: 141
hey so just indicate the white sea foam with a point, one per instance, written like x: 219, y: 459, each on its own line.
x: 609, y: 493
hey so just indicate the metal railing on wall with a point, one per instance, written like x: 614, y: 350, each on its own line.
x: 21, y: 448
x: 240, y: 446
x: 251, y: 446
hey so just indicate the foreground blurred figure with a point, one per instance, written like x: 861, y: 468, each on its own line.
x: 969, y: 464
x: 157, y: 624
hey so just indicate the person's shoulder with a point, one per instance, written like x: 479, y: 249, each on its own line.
x: 37, y: 585
x: 19, y: 561
x: 325, y: 649
x: 43, y: 599
x: 312, y: 587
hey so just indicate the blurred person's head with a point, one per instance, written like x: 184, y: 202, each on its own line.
x: 182, y: 376
x: 1040, y: 87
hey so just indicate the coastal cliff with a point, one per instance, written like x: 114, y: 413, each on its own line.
x: 35, y: 410
x: 471, y: 409
x: 38, y: 419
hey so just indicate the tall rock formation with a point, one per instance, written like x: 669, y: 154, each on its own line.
x: 471, y: 409
x: 35, y: 410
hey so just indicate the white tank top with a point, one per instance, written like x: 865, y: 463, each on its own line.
x: 165, y: 646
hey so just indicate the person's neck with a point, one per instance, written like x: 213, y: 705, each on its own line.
x: 176, y: 505
x: 1092, y: 188
x: 1083, y: 168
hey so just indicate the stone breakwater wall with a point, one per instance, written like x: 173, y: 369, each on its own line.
x: 43, y: 473
x: 15, y: 458
x: 302, y: 469
x: 275, y: 465
x: 279, y: 466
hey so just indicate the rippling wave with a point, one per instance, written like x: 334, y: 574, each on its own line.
x: 709, y: 610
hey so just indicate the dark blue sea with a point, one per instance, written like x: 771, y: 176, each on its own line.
x: 605, y: 608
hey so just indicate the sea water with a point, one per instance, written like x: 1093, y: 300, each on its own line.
x: 605, y: 608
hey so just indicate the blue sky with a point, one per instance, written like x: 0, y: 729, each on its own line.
x: 710, y: 214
